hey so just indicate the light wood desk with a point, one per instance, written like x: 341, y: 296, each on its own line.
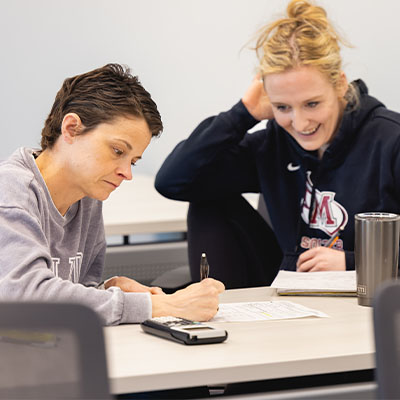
x: 136, y: 207
x: 253, y: 351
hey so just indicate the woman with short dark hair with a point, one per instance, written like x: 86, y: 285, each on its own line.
x: 51, y: 224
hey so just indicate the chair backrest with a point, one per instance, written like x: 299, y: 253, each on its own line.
x: 345, y: 391
x: 262, y: 209
x: 50, y: 351
x: 387, y: 339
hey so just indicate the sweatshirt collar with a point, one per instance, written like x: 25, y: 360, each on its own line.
x: 29, y: 159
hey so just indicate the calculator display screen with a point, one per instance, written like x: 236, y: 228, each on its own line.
x: 198, y: 328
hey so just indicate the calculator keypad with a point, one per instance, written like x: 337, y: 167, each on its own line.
x: 173, y: 321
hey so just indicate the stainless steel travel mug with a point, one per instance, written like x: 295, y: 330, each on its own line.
x: 376, y: 251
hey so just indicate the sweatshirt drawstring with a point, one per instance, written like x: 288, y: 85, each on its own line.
x: 310, y: 212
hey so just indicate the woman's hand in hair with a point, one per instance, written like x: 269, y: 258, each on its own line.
x: 256, y: 100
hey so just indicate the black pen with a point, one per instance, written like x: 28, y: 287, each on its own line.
x: 204, y: 267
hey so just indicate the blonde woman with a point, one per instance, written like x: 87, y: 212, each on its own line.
x: 329, y: 151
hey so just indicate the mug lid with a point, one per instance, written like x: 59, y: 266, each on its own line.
x: 383, y: 216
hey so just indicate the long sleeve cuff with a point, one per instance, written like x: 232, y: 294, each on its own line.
x: 137, y: 307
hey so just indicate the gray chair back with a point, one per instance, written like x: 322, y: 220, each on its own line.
x: 347, y: 391
x: 51, y: 351
x: 387, y: 340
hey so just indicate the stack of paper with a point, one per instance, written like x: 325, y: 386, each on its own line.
x: 324, y: 283
x: 263, y: 310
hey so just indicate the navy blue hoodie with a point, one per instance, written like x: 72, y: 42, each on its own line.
x: 359, y: 172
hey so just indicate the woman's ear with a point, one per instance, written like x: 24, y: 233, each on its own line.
x: 71, y: 126
x: 343, y: 85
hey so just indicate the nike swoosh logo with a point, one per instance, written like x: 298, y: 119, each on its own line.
x: 292, y: 167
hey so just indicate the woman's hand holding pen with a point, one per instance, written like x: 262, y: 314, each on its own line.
x: 256, y: 100
x: 321, y: 259
x: 199, y: 301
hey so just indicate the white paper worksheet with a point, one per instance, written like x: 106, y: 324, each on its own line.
x: 263, y: 310
x: 322, y: 282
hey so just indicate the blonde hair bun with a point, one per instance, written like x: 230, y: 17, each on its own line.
x: 304, y: 37
x: 310, y: 17
x: 303, y: 9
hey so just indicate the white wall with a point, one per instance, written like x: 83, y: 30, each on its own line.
x: 187, y: 53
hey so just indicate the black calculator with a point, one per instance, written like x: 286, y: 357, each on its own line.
x: 183, y: 330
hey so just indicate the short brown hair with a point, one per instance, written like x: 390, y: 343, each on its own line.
x: 100, y: 96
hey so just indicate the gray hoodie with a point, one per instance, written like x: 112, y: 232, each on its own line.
x: 47, y: 256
